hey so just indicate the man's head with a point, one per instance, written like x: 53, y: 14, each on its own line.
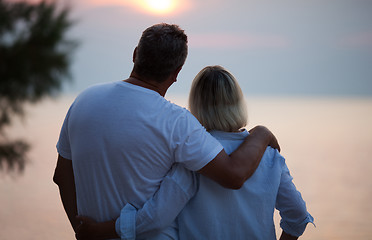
x: 161, y: 50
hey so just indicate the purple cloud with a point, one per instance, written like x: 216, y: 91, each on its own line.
x: 233, y: 41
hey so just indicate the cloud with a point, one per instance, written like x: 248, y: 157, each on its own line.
x: 237, y: 41
x: 357, y: 40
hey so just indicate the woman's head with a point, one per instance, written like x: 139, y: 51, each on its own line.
x: 217, y: 101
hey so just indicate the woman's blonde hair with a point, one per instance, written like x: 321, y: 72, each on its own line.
x: 217, y: 101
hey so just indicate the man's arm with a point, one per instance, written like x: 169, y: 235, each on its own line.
x: 64, y: 178
x: 232, y: 171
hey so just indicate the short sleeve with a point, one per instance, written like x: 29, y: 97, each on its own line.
x: 63, y: 144
x: 194, y: 146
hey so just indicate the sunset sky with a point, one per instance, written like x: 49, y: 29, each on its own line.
x: 288, y: 47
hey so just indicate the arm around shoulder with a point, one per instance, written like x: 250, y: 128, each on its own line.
x: 232, y: 171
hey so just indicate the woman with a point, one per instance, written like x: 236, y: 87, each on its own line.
x: 211, y: 211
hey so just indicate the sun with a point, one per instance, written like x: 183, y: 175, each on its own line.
x: 154, y: 7
x: 160, y: 6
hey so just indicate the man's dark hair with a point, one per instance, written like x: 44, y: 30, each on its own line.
x: 160, y: 51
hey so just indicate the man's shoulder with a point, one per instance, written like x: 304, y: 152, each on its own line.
x: 98, y: 87
x: 175, y: 109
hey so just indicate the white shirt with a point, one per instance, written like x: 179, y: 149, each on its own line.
x: 122, y: 140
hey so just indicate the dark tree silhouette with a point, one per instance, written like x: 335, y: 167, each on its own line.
x: 34, y: 62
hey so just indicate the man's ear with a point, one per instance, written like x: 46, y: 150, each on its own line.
x: 176, y: 73
x: 134, y: 54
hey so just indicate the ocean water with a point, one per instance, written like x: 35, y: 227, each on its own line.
x: 327, y: 143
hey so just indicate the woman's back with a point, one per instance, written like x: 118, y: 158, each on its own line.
x: 219, y: 213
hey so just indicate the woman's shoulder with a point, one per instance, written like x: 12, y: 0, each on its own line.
x: 272, y: 157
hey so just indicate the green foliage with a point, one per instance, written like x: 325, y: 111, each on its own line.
x: 13, y: 155
x: 34, y: 62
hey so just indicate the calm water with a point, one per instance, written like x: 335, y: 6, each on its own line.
x: 327, y: 144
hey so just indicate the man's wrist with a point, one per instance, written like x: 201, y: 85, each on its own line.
x: 266, y: 136
x: 262, y: 133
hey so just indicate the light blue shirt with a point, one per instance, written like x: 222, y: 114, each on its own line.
x: 215, y: 212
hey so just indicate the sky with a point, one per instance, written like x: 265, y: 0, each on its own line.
x: 273, y: 48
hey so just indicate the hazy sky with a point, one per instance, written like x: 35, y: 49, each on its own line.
x: 287, y: 47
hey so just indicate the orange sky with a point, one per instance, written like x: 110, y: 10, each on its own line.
x: 154, y: 7
x: 168, y: 7
x: 286, y: 47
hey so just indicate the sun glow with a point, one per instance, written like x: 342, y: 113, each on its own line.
x: 160, y: 6
x: 157, y: 7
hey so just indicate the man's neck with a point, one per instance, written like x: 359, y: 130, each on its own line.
x: 152, y: 85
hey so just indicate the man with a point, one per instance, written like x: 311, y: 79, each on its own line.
x: 120, y: 139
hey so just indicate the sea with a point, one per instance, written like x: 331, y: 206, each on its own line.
x: 327, y: 143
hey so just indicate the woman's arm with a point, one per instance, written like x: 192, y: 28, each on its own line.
x: 291, y: 206
x: 176, y: 189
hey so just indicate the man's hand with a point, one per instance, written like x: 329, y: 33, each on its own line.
x: 274, y: 142
x: 89, y: 229
x: 286, y: 236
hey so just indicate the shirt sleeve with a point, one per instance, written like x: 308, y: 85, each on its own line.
x: 63, y: 144
x: 158, y: 214
x: 291, y: 206
x: 194, y: 146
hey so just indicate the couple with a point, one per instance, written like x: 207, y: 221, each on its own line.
x: 134, y: 165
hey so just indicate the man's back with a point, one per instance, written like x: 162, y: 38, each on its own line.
x: 122, y: 140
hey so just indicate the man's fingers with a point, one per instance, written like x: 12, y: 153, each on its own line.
x: 84, y: 219
x: 274, y: 144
